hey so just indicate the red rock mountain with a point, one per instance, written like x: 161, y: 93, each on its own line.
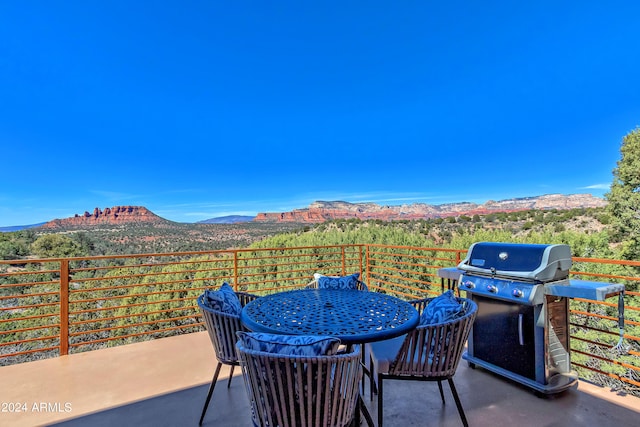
x: 323, y: 211
x: 111, y: 216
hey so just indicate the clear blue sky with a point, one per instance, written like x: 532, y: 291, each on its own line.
x: 199, y: 109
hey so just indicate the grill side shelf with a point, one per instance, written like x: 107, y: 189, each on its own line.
x: 596, y: 291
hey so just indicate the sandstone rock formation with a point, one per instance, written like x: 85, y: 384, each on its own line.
x: 321, y: 211
x: 110, y: 216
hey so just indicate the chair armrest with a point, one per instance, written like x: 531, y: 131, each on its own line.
x: 245, y: 298
x: 362, y: 286
x: 312, y: 285
x: 420, y: 304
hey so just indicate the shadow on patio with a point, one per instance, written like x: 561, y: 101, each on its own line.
x: 164, y: 383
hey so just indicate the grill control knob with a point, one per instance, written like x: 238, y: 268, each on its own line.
x: 492, y: 288
x: 518, y: 293
x: 469, y: 284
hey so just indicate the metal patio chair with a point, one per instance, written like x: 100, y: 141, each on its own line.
x: 428, y: 353
x: 222, y: 328
x: 301, y: 391
x: 360, y: 285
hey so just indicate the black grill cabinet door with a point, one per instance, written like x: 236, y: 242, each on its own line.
x: 503, y: 335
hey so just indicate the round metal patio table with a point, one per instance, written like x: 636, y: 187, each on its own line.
x: 355, y: 317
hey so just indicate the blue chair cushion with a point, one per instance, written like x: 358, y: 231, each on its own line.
x: 290, y: 345
x: 442, y: 309
x: 224, y: 300
x: 339, y: 282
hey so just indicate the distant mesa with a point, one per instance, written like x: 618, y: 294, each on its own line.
x: 229, y: 219
x: 109, y: 216
x: 321, y: 211
x: 12, y: 228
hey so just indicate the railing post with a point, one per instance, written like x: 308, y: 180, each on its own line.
x: 344, y: 261
x: 235, y: 271
x: 64, y: 307
x: 367, y: 264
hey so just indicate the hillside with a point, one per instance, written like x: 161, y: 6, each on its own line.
x: 321, y: 211
x: 166, y: 236
x: 129, y: 230
x: 584, y: 229
x: 169, y: 236
x: 135, y: 229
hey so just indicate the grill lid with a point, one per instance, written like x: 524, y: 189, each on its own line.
x: 533, y: 262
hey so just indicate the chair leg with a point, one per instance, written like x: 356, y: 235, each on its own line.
x: 441, y: 391
x: 458, y: 404
x: 230, y: 376
x: 379, y: 400
x: 363, y: 361
x: 372, y: 383
x: 211, y: 387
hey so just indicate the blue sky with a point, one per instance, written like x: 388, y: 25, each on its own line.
x: 199, y: 109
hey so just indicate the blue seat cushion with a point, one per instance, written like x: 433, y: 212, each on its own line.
x: 442, y: 309
x: 224, y: 300
x: 339, y: 282
x: 290, y: 345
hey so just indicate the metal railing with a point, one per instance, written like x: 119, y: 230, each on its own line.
x: 51, y: 307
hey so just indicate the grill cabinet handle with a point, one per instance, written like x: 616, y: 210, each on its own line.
x: 520, y: 334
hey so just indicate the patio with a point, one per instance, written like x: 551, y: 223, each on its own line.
x: 164, y: 383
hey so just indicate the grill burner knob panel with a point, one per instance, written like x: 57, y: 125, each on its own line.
x: 505, y: 289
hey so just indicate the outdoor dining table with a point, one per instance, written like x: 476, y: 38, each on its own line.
x: 356, y: 317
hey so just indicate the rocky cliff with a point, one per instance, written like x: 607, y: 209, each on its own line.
x: 323, y: 211
x: 109, y: 216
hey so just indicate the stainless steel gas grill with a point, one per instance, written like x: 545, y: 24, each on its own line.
x: 522, y: 327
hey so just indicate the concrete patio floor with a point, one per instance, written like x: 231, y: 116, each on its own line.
x: 164, y: 383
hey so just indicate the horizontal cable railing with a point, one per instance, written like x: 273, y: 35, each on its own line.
x: 51, y: 307
x: 594, y: 325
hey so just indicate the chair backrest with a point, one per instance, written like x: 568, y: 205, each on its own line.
x: 435, y: 350
x: 314, y: 285
x: 222, y: 328
x: 301, y: 391
x: 360, y: 285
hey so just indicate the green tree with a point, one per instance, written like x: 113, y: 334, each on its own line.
x: 55, y: 246
x: 8, y: 250
x: 13, y: 246
x: 85, y: 242
x: 624, y: 196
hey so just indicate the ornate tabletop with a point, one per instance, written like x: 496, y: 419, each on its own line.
x: 353, y: 316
